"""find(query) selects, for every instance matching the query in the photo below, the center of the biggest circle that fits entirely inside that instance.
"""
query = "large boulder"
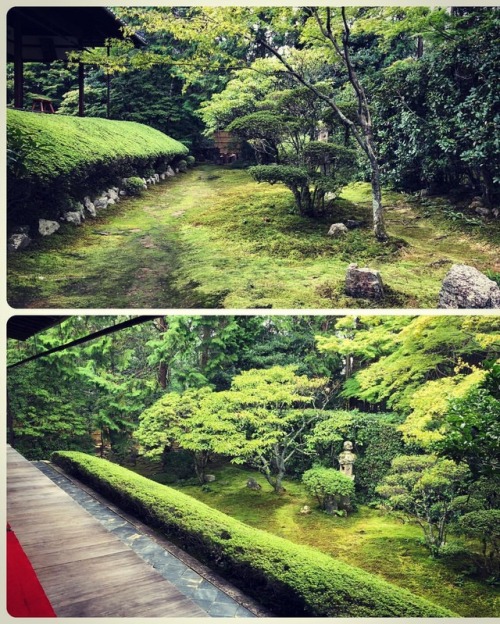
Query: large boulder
(363, 283)
(466, 287)
(337, 230)
(46, 227)
(18, 241)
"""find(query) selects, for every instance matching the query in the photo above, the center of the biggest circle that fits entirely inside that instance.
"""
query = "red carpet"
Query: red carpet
(25, 595)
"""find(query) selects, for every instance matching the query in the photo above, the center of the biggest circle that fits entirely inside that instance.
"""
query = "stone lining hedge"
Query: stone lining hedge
(291, 580)
(53, 160)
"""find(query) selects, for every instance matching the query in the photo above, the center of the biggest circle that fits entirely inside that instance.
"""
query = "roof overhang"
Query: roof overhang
(49, 33)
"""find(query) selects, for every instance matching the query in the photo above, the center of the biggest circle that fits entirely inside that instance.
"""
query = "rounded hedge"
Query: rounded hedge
(53, 160)
(292, 580)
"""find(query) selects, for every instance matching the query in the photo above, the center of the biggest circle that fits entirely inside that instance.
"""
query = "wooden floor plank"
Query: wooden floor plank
(85, 570)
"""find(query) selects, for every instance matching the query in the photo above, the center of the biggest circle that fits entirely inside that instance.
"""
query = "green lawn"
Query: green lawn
(215, 238)
(369, 539)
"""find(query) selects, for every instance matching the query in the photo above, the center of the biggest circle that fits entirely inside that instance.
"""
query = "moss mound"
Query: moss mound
(291, 580)
(54, 160)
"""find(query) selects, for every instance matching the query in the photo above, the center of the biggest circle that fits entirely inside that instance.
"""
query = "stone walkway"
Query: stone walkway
(212, 599)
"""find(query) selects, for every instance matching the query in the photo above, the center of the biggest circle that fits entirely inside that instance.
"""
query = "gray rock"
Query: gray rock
(170, 172)
(46, 227)
(163, 176)
(364, 283)
(466, 287)
(123, 193)
(483, 212)
(111, 202)
(101, 202)
(90, 209)
(337, 230)
(18, 241)
(73, 217)
(352, 224)
(209, 478)
(157, 177)
(112, 194)
(253, 485)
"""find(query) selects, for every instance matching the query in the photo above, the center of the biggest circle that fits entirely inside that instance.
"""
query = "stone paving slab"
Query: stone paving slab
(213, 600)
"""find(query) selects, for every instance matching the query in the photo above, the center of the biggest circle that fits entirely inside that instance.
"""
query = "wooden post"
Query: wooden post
(10, 423)
(18, 69)
(81, 81)
(108, 88)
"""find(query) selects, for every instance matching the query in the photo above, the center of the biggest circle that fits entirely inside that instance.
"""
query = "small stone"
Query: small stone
(476, 203)
(337, 230)
(163, 176)
(170, 172)
(18, 241)
(112, 194)
(73, 217)
(306, 510)
(111, 202)
(47, 227)
(209, 478)
(363, 283)
(482, 211)
(101, 202)
(253, 484)
(123, 193)
(466, 287)
(157, 177)
(90, 209)
(352, 224)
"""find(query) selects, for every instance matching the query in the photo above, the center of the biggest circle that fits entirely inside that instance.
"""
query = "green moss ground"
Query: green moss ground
(214, 238)
(369, 539)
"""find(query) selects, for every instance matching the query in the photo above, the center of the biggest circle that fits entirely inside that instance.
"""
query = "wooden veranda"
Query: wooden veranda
(85, 570)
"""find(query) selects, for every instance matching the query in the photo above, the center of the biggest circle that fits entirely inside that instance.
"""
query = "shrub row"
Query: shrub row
(55, 159)
(290, 579)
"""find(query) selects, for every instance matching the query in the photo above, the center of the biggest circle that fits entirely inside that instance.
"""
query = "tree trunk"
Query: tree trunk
(378, 211)
(307, 208)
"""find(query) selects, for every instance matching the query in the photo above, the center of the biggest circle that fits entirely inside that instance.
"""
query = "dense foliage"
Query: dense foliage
(290, 579)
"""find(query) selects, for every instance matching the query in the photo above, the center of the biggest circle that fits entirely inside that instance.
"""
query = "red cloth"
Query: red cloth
(25, 595)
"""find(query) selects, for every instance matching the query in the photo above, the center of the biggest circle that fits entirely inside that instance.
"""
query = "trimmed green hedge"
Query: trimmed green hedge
(54, 159)
(290, 579)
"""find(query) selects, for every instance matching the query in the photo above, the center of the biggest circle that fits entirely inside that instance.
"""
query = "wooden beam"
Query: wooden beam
(18, 69)
(81, 89)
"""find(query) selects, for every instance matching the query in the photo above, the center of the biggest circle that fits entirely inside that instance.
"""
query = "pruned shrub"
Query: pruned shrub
(133, 186)
(292, 580)
(190, 160)
(182, 166)
(332, 489)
